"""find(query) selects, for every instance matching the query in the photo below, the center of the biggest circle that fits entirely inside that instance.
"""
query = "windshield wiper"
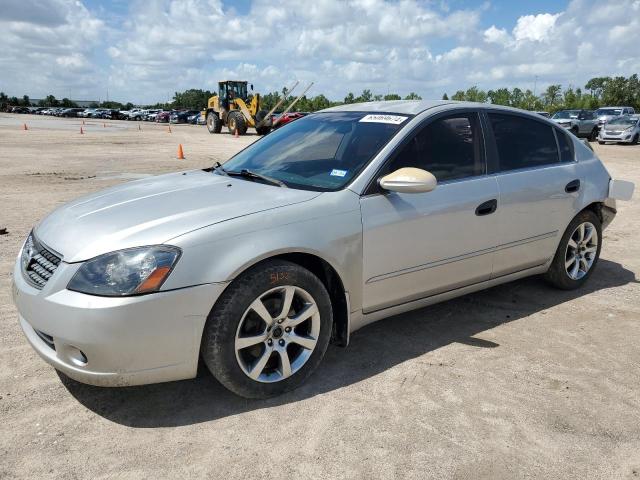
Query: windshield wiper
(255, 175)
(217, 167)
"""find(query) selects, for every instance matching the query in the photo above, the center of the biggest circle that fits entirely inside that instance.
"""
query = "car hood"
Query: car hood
(155, 210)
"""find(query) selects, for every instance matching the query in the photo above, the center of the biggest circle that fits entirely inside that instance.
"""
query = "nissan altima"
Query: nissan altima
(334, 221)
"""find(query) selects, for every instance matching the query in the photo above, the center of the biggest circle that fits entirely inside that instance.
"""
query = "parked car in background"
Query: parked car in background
(340, 219)
(582, 123)
(284, 118)
(163, 117)
(137, 115)
(112, 114)
(623, 129)
(197, 119)
(71, 112)
(150, 116)
(181, 116)
(604, 114)
(544, 114)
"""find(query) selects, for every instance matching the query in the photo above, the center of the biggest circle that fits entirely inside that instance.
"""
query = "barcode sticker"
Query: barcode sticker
(378, 118)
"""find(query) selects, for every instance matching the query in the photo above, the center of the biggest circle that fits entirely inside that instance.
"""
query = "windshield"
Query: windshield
(608, 111)
(323, 151)
(623, 121)
(566, 114)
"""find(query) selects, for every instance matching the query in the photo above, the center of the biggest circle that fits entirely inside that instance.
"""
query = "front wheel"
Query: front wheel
(577, 253)
(593, 135)
(268, 331)
(236, 123)
(214, 124)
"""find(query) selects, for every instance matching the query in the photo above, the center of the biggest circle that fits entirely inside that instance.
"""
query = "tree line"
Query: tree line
(597, 92)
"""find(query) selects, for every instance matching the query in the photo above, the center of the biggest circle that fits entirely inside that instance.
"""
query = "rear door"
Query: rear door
(539, 185)
(420, 244)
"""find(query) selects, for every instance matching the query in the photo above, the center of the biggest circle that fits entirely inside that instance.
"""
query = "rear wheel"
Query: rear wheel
(575, 131)
(268, 331)
(593, 135)
(578, 252)
(214, 124)
(236, 121)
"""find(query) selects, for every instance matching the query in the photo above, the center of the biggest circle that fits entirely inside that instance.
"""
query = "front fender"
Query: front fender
(328, 227)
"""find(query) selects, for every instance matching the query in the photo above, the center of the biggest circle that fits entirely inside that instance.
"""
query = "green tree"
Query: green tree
(445, 97)
(193, 98)
(459, 95)
(413, 96)
(349, 98)
(26, 102)
(501, 96)
(473, 94)
(392, 96)
(365, 96)
(65, 102)
(552, 95)
(51, 101)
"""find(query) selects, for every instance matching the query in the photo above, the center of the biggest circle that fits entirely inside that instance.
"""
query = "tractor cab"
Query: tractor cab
(230, 90)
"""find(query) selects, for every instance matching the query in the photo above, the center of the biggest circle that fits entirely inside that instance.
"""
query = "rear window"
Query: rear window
(566, 147)
(523, 142)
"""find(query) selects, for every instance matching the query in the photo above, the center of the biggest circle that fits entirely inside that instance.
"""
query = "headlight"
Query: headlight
(28, 251)
(126, 272)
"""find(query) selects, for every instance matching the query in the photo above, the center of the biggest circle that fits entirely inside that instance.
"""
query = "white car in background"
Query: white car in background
(605, 114)
(621, 130)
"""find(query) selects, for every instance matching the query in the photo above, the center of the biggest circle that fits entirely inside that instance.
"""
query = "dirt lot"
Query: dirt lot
(520, 381)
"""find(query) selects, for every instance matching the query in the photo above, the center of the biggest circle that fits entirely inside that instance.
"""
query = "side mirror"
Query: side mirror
(252, 86)
(409, 180)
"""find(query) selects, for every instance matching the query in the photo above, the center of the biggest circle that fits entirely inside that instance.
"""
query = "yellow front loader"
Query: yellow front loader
(233, 108)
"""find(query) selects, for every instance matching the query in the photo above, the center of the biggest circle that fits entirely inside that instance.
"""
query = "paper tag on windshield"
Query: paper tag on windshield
(377, 118)
(338, 173)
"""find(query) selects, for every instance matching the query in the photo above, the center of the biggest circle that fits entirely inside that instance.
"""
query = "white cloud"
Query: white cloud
(534, 27)
(343, 45)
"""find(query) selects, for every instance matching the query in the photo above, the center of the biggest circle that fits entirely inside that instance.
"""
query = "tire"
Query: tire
(575, 131)
(593, 135)
(635, 139)
(214, 124)
(235, 120)
(600, 142)
(233, 319)
(263, 130)
(587, 243)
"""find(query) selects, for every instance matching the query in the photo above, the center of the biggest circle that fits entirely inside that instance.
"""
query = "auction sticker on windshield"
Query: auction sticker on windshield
(393, 119)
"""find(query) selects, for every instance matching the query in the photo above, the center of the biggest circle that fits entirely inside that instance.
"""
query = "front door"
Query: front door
(421, 244)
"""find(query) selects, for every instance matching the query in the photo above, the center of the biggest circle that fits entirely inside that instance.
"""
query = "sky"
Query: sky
(145, 50)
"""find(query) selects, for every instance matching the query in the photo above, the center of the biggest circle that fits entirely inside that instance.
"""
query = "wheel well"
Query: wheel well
(595, 207)
(332, 282)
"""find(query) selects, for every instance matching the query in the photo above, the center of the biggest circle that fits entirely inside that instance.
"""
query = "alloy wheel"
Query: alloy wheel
(277, 334)
(581, 252)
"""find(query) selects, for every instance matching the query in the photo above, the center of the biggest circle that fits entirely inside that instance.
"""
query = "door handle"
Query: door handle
(572, 186)
(487, 208)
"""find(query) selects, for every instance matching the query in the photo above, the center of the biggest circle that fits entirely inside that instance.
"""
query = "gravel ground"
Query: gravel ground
(519, 381)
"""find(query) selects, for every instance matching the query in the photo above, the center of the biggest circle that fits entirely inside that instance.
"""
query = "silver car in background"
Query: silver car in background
(624, 129)
(604, 114)
(334, 221)
(582, 123)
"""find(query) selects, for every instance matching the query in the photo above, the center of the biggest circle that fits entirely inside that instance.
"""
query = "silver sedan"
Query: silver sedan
(332, 222)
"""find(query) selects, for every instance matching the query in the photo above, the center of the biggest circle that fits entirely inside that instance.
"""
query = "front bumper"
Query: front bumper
(114, 341)
(624, 137)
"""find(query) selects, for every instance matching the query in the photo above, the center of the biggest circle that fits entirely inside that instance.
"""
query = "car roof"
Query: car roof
(414, 107)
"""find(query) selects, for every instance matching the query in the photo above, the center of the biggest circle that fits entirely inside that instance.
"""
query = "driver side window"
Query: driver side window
(450, 148)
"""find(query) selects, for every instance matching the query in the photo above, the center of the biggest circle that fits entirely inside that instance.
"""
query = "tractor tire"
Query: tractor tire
(236, 121)
(264, 129)
(214, 124)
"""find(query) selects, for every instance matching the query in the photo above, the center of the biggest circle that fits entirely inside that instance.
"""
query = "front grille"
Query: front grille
(48, 339)
(41, 266)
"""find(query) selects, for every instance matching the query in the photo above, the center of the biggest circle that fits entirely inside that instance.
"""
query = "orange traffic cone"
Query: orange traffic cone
(236, 134)
(24, 126)
(180, 152)
(81, 131)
